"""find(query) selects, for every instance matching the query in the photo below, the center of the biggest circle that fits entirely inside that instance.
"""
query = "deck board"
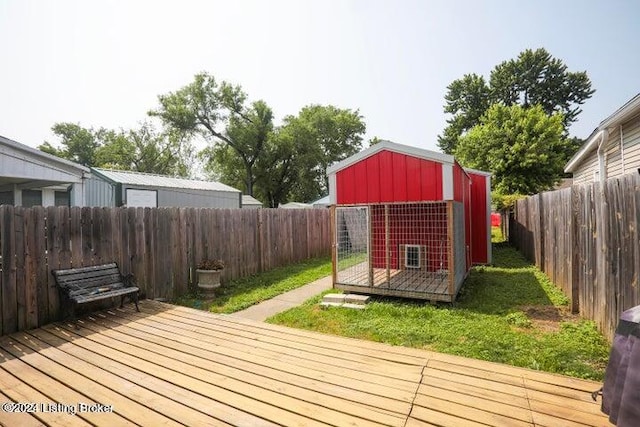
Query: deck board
(167, 365)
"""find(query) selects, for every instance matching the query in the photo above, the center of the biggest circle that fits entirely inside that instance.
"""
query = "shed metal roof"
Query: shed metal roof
(249, 200)
(163, 181)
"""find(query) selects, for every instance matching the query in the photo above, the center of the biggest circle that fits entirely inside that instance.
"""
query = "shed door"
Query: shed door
(353, 231)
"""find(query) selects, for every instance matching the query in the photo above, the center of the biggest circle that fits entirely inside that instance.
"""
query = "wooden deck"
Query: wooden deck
(176, 366)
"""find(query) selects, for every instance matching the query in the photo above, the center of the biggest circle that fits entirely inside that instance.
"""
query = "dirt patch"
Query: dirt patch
(547, 317)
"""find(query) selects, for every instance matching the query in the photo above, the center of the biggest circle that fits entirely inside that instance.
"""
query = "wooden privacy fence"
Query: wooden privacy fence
(586, 239)
(161, 247)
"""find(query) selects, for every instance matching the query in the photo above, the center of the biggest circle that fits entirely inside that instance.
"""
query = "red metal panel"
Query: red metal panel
(361, 182)
(430, 181)
(458, 178)
(481, 235)
(399, 173)
(389, 177)
(414, 183)
(438, 181)
(385, 161)
(468, 215)
(462, 193)
(373, 179)
(345, 184)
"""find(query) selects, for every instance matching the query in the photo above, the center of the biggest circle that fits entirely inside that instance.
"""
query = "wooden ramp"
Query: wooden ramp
(171, 365)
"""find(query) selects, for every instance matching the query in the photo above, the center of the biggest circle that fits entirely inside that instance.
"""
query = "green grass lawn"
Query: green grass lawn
(247, 291)
(508, 313)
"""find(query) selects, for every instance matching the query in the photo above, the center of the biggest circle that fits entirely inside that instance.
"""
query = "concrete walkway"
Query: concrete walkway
(282, 302)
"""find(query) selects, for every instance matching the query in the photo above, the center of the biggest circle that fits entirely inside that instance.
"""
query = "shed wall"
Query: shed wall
(587, 170)
(480, 219)
(99, 193)
(462, 193)
(631, 135)
(613, 157)
(196, 198)
(617, 162)
(389, 177)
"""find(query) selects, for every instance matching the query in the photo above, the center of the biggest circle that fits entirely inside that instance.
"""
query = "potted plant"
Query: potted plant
(209, 271)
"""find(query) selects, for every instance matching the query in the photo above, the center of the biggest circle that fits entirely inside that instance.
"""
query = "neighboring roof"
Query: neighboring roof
(247, 200)
(628, 110)
(295, 205)
(163, 181)
(322, 201)
(46, 156)
(396, 148)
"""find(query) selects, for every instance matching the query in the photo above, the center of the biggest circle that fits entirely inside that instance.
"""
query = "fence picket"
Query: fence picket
(595, 227)
(161, 247)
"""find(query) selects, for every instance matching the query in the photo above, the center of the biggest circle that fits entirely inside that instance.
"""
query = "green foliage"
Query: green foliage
(489, 322)
(145, 150)
(522, 147)
(141, 150)
(504, 201)
(319, 135)
(78, 144)
(237, 133)
(518, 319)
(534, 78)
(247, 152)
(467, 100)
(247, 291)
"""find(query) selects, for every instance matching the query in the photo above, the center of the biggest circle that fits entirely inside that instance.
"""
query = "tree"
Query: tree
(323, 135)
(247, 152)
(293, 158)
(522, 147)
(78, 144)
(534, 78)
(218, 112)
(141, 150)
(467, 100)
(373, 141)
(145, 150)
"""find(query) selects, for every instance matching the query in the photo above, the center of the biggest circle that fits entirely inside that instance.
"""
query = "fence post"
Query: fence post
(334, 254)
(574, 256)
(541, 213)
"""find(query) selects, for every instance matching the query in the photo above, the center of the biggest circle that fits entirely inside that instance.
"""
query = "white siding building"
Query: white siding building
(613, 149)
(30, 177)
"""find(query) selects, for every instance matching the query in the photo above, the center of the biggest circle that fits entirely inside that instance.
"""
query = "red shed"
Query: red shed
(403, 219)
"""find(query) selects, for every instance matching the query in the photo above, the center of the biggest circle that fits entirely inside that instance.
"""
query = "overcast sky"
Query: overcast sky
(103, 63)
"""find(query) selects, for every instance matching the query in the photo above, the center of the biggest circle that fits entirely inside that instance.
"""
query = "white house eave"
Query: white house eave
(628, 110)
(390, 146)
(46, 156)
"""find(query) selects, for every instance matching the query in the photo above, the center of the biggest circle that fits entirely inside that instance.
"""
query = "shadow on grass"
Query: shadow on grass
(494, 291)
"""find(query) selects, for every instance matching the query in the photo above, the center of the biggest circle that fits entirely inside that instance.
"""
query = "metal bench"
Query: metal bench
(87, 284)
